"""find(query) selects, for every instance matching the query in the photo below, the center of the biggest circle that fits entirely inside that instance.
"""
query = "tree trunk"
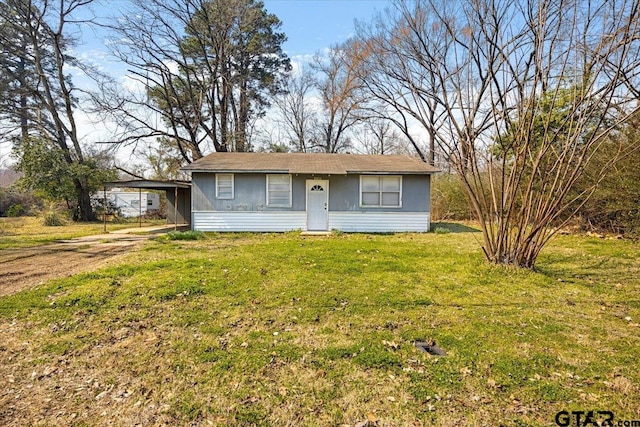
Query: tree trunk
(24, 112)
(243, 118)
(84, 210)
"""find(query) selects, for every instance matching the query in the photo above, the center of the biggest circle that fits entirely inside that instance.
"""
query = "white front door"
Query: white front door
(317, 205)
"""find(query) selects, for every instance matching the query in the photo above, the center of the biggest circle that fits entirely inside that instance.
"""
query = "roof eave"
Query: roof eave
(147, 184)
(213, 170)
(309, 172)
(377, 172)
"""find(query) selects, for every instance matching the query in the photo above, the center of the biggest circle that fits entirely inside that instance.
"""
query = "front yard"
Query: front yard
(283, 329)
(24, 232)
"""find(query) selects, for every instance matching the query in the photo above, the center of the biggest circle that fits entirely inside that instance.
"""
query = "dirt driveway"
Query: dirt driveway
(23, 268)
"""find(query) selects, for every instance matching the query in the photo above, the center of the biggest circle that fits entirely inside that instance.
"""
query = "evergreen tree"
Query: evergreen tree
(40, 98)
(208, 82)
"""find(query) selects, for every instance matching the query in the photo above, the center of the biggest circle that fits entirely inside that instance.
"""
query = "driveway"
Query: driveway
(23, 268)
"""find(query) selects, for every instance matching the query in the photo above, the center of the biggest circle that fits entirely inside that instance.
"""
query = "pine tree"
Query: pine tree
(39, 99)
(225, 61)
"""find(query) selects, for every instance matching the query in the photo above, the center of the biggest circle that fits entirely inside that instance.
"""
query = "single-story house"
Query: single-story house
(309, 192)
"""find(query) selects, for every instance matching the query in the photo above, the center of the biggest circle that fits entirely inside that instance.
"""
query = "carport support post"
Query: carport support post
(104, 208)
(175, 209)
(140, 205)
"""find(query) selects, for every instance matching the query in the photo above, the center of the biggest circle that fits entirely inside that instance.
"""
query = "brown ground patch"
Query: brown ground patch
(24, 268)
(88, 386)
(47, 389)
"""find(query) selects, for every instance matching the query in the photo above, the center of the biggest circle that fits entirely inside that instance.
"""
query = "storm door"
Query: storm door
(317, 205)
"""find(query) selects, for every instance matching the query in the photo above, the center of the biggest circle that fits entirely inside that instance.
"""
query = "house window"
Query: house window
(279, 190)
(224, 186)
(381, 191)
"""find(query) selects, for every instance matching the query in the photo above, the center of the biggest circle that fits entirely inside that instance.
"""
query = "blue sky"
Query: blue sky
(310, 25)
(313, 25)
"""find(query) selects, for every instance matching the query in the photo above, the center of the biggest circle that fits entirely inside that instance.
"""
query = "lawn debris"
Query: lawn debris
(391, 344)
(430, 347)
(371, 421)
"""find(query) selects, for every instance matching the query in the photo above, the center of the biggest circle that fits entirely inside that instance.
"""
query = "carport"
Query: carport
(178, 196)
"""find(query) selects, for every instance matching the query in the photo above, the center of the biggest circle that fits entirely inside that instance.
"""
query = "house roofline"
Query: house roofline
(309, 163)
(277, 171)
(148, 184)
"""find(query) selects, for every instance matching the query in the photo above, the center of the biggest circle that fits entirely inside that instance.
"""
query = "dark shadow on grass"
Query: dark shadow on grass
(452, 227)
(560, 268)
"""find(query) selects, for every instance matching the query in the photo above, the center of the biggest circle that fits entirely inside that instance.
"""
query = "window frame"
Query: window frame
(380, 192)
(218, 197)
(278, 205)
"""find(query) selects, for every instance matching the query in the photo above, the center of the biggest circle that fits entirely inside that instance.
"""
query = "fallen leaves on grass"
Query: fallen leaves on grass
(391, 344)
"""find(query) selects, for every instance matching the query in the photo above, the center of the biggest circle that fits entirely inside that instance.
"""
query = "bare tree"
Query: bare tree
(203, 67)
(341, 97)
(518, 95)
(296, 114)
(398, 90)
(379, 136)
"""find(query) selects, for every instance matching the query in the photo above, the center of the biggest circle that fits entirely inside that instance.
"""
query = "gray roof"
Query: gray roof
(310, 163)
(148, 184)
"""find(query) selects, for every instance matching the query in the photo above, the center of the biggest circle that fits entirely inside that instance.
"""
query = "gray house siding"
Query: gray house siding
(344, 194)
(250, 193)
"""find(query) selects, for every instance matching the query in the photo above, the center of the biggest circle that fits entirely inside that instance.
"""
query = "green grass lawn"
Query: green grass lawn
(282, 329)
(29, 231)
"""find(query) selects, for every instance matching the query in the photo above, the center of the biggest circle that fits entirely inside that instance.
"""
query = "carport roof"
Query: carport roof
(310, 163)
(148, 184)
